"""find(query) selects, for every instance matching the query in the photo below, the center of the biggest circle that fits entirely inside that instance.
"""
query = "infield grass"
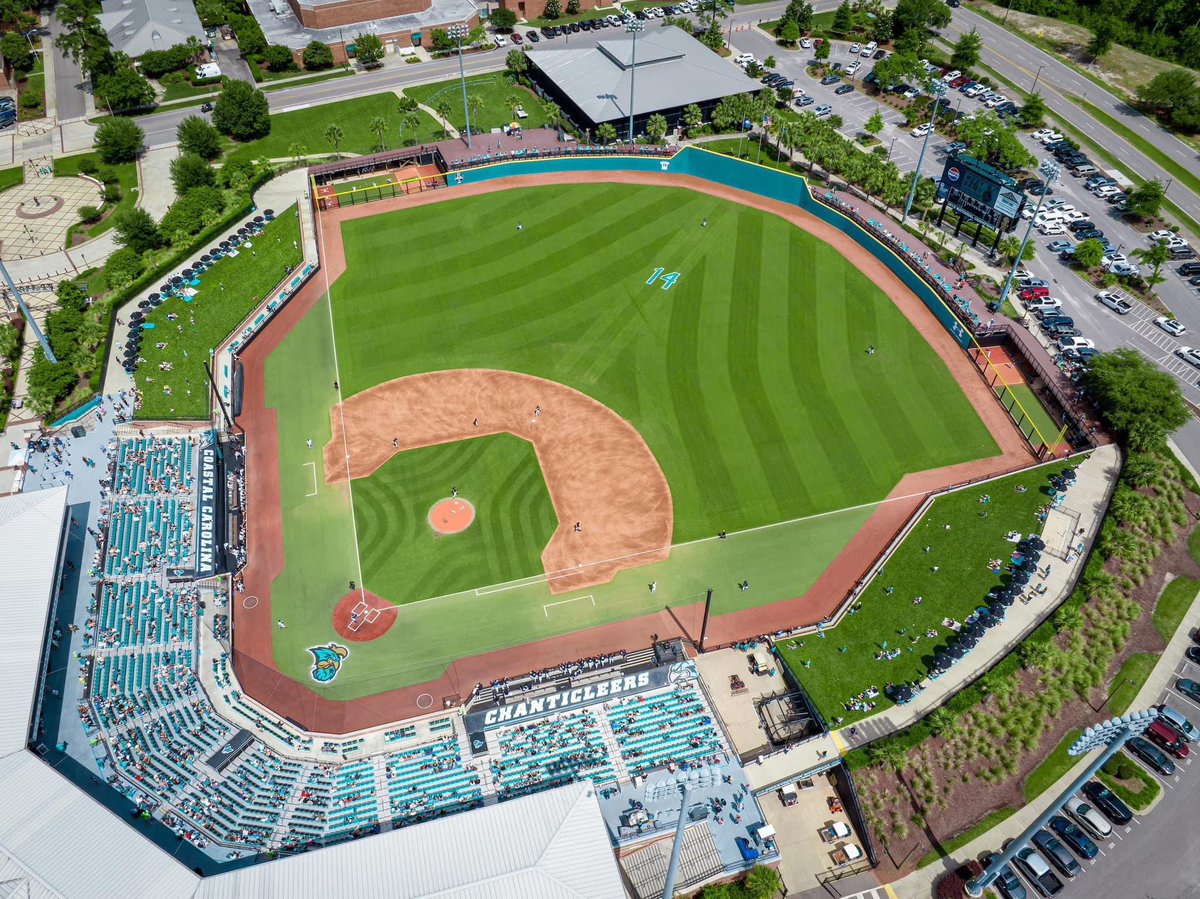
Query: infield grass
(748, 378)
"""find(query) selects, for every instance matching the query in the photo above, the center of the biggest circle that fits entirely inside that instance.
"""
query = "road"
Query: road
(69, 102)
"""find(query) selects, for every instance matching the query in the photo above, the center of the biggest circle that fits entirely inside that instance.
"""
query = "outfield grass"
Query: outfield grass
(306, 127)
(494, 90)
(1052, 767)
(1128, 681)
(401, 556)
(207, 320)
(748, 379)
(833, 676)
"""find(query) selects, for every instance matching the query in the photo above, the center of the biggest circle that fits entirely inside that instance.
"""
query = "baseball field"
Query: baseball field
(604, 377)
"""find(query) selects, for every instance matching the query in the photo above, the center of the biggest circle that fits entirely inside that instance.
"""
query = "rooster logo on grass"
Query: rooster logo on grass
(327, 661)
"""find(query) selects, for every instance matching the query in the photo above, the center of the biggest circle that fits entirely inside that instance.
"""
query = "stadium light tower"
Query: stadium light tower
(633, 26)
(1050, 171)
(14, 296)
(458, 32)
(938, 89)
(1108, 735)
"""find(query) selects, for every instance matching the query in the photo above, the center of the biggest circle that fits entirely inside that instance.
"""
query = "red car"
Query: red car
(516, 38)
(959, 81)
(1034, 293)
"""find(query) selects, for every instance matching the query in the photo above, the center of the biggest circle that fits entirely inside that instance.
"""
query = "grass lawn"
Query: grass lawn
(35, 83)
(247, 279)
(494, 90)
(185, 89)
(960, 584)
(1137, 793)
(403, 558)
(1177, 597)
(1054, 766)
(307, 79)
(748, 149)
(307, 128)
(12, 177)
(1036, 413)
(990, 820)
(1126, 682)
(126, 175)
(770, 415)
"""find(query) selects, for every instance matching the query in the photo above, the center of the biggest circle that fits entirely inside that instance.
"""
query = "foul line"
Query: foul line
(314, 474)
(546, 608)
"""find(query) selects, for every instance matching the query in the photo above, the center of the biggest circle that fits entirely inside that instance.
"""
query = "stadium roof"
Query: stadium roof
(673, 70)
(56, 841)
(31, 526)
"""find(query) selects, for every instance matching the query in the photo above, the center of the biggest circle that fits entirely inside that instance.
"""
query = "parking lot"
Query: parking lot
(1154, 854)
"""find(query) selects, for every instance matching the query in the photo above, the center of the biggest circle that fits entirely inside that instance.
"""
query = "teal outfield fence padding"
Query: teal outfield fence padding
(717, 168)
(76, 414)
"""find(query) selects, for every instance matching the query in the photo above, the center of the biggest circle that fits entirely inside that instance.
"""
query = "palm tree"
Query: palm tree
(443, 110)
(554, 116)
(380, 125)
(297, 151)
(606, 133)
(334, 134)
(514, 101)
(475, 106)
(411, 121)
(656, 127)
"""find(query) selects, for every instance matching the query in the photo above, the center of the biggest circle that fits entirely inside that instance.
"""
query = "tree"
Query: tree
(188, 171)
(606, 133)
(762, 882)
(84, 38)
(368, 50)
(475, 106)
(118, 140)
(317, 56)
(514, 102)
(553, 9)
(789, 34)
(297, 151)
(241, 112)
(822, 51)
(882, 27)
(995, 142)
(843, 19)
(407, 104)
(1033, 113)
(1156, 256)
(1172, 95)
(898, 68)
(713, 37)
(15, 50)
(753, 69)
(443, 111)
(410, 122)
(1140, 403)
(503, 19)
(1146, 199)
(334, 134)
(1011, 245)
(379, 127)
(874, 124)
(278, 58)
(123, 267)
(656, 128)
(192, 213)
(693, 117)
(1088, 253)
(123, 90)
(516, 62)
(913, 19)
(966, 51)
(441, 40)
(769, 62)
(572, 7)
(1104, 32)
(136, 230)
(198, 137)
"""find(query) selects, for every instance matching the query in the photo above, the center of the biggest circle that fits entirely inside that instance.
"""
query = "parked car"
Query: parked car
(1074, 343)
(1045, 306)
(1089, 234)
(1081, 225)
(1179, 723)
(822, 111)
(855, 49)
(831, 79)
(532, 36)
(1110, 806)
(1068, 831)
(1089, 818)
(1006, 881)
(1052, 229)
(1160, 234)
(516, 38)
(1189, 688)
(805, 101)
(1056, 853)
(1167, 739)
(1187, 354)
(853, 67)
(1034, 867)
(1124, 270)
(921, 130)
(1058, 246)
(1172, 326)
(1033, 293)
(1027, 283)
(880, 54)
(1114, 302)
(1190, 268)
(1184, 252)
(1154, 757)
(845, 89)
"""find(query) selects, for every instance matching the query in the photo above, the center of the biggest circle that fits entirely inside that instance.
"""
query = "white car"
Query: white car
(1054, 203)
(1187, 354)
(1091, 819)
(1172, 326)
(921, 130)
(1161, 234)
(1113, 259)
(993, 102)
(1124, 270)
(1176, 243)
(854, 49)
(1106, 191)
(853, 67)
(1073, 215)
(806, 43)
(1076, 343)
(911, 93)
(743, 58)
(950, 76)
(1046, 217)
(974, 91)
(1114, 302)
(1053, 229)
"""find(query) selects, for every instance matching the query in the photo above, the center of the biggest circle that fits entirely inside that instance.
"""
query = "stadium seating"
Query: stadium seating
(430, 780)
(551, 752)
(669, 727)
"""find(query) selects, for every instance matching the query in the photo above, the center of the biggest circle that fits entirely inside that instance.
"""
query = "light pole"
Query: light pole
(633, 26)
(1050, 171)
(458, 32)
(891, 148)
(938, 89)
(1110, 736)
(1036, 77)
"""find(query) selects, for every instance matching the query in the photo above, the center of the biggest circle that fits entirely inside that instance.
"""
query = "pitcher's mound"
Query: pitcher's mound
(451, 516)
(362, 616)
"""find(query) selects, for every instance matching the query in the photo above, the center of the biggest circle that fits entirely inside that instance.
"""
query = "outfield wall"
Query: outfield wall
(717, 168)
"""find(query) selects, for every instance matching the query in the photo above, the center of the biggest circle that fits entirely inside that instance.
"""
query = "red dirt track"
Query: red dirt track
(253, 628)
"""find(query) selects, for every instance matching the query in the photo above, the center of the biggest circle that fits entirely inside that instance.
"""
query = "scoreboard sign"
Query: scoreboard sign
(981, 193)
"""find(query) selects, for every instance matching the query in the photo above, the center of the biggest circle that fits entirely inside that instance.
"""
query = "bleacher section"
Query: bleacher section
(146, 703)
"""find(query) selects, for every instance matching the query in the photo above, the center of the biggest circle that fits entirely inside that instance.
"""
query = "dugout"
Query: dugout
(387, 174)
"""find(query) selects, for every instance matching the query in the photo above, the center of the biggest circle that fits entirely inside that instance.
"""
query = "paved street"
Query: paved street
(69, 100)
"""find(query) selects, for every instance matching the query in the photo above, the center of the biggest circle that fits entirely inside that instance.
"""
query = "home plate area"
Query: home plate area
(361, 616)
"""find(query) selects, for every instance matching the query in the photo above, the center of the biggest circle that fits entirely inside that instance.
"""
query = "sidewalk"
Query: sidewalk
(918, 885)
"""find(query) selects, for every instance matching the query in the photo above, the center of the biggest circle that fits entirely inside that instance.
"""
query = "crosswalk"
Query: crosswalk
(1141, 321)
(883, 892)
